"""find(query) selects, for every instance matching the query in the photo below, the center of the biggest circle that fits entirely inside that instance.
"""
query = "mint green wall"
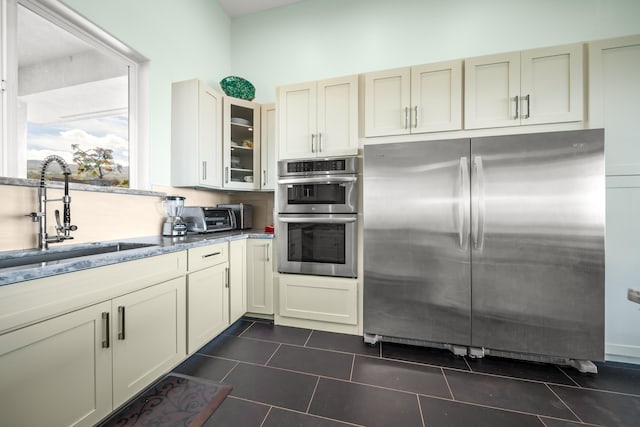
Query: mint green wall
(316, 39)
(182, 39)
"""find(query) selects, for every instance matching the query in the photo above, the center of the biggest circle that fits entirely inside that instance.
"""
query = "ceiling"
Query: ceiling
(235, 8)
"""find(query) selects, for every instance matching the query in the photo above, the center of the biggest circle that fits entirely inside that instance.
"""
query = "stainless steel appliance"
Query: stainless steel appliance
(208, 219)
(174, 225)
(318, 220)
(243, 214)
(487, 245)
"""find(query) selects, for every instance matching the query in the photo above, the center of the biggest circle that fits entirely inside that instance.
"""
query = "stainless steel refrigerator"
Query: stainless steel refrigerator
(490, 243)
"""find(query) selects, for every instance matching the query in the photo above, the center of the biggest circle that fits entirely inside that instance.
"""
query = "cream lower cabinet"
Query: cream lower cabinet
(57, 372)
(237, 279)
(419, 99)
(259, 276)
(207, 294)
(325, 299)
(148, 335)
(524, 88)
(75, 368)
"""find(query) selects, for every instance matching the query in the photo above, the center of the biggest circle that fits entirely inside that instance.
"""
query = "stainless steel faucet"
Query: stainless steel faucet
(63, 231)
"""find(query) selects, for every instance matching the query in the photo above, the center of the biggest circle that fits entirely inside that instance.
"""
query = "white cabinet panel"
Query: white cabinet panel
(60, 368)
(297, 111)
(207, 305)
(268, 141)
(614, 91)
(387, 99)
(237, 279)
(259, 276)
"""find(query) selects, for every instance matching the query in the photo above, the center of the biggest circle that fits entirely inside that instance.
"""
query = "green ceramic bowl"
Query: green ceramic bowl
(238, 88)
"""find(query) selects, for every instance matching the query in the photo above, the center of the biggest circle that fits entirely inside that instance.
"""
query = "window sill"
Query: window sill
(20, 182)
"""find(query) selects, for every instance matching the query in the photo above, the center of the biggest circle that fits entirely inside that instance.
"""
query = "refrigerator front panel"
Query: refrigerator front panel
(537, 243)
(416, 241)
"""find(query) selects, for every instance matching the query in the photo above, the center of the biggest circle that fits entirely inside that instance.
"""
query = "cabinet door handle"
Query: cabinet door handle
(415, 115)
(211, 254)
(528, 98)
(268, 246)
(517, 106)
(204, 170)
(226, 174)
(264, 178)
(319, 142)
(313, 141)
(226, 277)
(406, 117)
(121, 322)
(105, 329)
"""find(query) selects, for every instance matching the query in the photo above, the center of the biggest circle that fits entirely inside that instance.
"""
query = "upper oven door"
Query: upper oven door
(318, 194)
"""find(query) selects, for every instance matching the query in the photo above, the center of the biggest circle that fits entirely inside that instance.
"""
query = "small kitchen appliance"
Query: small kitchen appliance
(243, 214)
(201, 219)
(174, 226)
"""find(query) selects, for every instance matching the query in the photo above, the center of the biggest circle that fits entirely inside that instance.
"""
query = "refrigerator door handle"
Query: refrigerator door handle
(463, 204)
(477, 223)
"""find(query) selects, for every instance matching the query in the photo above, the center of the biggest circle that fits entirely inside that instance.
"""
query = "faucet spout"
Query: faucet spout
(63, 231)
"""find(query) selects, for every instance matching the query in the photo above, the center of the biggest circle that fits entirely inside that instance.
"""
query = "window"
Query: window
(72, 90)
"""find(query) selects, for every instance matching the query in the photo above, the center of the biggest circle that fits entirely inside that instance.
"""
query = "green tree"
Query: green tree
(96, 161)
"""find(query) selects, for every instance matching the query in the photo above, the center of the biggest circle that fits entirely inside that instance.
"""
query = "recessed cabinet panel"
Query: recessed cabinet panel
(260, 276)
(297, 110)
(436, 94)
(336, 117)
(208, 305)
(56, 372)
(268, 147)
(387, 98)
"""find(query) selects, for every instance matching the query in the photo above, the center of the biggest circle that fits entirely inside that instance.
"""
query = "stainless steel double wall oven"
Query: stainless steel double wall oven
(318, 216)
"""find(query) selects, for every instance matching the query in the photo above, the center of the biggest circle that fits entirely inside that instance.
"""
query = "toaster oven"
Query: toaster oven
(208, 219)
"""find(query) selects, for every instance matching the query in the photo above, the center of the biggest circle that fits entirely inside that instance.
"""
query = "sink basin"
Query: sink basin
(41, 258)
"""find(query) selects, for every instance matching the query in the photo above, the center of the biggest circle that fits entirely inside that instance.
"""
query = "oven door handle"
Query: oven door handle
(318, 179)
(299, 220)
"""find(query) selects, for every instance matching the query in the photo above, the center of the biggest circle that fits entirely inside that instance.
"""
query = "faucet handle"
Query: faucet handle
(35, 216)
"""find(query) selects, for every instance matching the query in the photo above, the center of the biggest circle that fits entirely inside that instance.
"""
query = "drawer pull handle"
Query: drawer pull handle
(105, 323)
(210, 255)
(121, 322)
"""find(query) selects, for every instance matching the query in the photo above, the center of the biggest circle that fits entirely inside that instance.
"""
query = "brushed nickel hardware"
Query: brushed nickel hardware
(106, 333)
(212, 254)
(121, 322)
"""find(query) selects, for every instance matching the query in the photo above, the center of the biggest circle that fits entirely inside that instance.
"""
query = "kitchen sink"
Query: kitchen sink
(41, 258)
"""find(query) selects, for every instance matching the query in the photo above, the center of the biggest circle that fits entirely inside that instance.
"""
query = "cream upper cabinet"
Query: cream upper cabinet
(525, 88)
(260, 276)
(614, 91)
(268, 162)
(196, 135)
(419, 99)
(318, 119)
(241, 135)
(237, 279)
(57, 372)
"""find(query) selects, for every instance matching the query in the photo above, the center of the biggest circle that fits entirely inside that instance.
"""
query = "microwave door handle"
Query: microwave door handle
(298, 220)
(318, 179)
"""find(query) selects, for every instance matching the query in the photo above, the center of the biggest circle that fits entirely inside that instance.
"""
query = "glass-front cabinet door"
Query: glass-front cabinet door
(241, 144)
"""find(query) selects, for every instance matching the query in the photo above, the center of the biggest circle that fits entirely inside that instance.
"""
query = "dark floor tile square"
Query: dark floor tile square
(236, 348)
(281, 334)
(400, 376)
(506, 393)
(238, 327)
(520, 369)
(281, 418)
(238, 412)
(205, 367)
(601, 407)
(427, 355)
(446, 413)
(272, 386)
(611, 377)
(313, 361)
(342, 342)
(552, 422)
(365, 405)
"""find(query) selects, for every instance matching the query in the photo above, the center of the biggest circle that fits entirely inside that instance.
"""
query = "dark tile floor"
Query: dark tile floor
(284, 376)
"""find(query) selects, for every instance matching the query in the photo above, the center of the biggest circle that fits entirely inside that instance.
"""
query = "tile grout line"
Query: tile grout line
(420, 410)
(353, 362)
(467, 363)
(272, 354)
(569, 376)
(230, 370)
(246, 329)
(448, 386)
(266, 416)
(541, 420)
(313, 395)
(308, 338)
(564, 403)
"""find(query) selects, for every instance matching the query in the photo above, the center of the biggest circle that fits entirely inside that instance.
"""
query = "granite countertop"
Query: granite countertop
(149, 246)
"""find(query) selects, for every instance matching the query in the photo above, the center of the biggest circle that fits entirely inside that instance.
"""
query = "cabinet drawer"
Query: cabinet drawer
(207, 256)
(319, 298)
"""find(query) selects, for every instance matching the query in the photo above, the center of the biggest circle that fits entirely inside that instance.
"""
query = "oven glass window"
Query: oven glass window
(326, 194)
(312, 242)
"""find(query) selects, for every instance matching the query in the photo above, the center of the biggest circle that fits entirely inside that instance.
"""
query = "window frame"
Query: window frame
(69, 20)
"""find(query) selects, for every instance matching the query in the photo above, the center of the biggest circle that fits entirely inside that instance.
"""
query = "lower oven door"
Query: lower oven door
(318, 244)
